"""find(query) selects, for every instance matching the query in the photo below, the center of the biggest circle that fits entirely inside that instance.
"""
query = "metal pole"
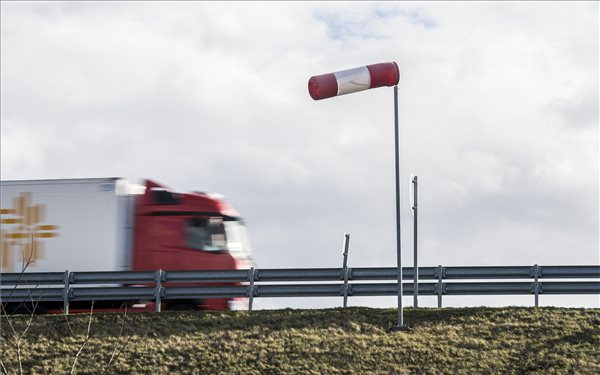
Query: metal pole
(401, 325)
(67, 281)
(439, 285)
(158, 275)
(536, 285)
(345, 267)
(416, 266)
(251, 288)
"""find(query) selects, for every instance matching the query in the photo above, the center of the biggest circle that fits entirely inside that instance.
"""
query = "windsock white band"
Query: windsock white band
(353, 80)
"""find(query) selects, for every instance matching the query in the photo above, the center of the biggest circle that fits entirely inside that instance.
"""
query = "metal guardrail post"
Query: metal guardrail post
(347, 286)
(536, 284)
(251, 288)
(439, 272)
(158, 290)
(66, 281)
(345, 267)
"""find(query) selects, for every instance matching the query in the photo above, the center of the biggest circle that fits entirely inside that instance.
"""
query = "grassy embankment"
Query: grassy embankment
(334, 341)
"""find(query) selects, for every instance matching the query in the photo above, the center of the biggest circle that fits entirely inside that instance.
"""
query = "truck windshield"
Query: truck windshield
(216, 234)
(237, 239)
(206, 234)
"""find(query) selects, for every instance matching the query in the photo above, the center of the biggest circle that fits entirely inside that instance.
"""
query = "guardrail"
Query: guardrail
(254, 283)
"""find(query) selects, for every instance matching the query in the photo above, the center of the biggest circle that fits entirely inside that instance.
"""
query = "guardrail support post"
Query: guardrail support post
(536, 284)
(439, 286)
(251, 289)
(158, 290)
(345, 267)
(66, 281)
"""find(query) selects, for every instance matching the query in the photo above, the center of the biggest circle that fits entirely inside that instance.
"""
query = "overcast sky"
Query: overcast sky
(498, 118)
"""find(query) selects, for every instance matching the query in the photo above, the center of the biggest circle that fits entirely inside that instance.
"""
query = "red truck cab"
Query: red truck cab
(191, 231)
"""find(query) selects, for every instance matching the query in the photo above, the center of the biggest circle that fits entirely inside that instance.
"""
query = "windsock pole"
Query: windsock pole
(358, 79)
(400, 325)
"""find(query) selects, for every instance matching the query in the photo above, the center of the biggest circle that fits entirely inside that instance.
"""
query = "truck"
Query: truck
(111, 224)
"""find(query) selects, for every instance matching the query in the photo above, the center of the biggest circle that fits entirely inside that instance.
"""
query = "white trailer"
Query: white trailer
(67, 224)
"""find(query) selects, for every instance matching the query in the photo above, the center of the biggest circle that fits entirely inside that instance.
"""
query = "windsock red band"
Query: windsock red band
(323, 86)
(353, 80)
(384, 74)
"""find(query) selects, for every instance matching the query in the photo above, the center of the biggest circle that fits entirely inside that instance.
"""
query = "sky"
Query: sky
(498, 117)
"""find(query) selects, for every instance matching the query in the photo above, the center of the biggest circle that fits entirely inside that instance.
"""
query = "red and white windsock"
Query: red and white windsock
(353, 80)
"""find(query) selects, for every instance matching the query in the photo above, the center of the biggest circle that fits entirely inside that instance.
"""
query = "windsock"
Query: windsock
(352, 80)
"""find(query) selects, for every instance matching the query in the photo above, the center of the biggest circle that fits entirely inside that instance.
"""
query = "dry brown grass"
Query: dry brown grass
(332, 341)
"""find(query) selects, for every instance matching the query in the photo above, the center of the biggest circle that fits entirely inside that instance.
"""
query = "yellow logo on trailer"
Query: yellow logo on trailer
(22, 232)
